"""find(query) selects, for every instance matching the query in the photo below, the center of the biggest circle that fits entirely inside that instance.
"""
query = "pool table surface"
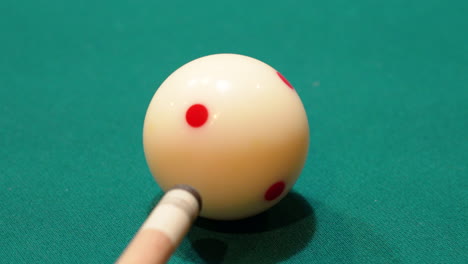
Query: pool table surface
(384, 84)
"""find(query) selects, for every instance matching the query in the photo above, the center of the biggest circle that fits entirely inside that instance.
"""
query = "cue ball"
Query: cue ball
(233, 128)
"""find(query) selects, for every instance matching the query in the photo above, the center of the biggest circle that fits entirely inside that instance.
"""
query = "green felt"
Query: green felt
(385, 85)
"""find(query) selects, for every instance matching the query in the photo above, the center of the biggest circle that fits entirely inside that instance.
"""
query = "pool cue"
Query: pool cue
(165, 227)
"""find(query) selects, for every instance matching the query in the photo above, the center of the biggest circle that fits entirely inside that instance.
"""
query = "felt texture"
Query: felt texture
(384, 84)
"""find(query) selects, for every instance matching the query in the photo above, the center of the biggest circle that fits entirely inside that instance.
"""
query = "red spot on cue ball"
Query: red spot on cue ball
(196, 115)
(285, 80)
(275, 191)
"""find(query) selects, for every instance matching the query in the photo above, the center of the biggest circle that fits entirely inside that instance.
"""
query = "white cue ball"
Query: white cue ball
(233, 128)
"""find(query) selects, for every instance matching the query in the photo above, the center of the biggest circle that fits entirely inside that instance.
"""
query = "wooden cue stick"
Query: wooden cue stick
(165, 227)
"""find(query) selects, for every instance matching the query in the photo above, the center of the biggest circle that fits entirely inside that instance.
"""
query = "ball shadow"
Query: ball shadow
(290, 210)
(270, 237)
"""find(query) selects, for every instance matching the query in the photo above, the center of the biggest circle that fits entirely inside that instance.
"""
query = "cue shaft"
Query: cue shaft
(164, 229)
